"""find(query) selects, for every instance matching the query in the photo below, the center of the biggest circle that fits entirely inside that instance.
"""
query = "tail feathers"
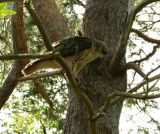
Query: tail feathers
(32, 67)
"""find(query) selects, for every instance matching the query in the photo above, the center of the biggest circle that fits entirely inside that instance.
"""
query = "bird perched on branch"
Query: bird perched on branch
(77, 51)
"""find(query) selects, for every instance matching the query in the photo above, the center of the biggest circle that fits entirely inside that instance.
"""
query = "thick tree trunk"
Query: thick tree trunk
(104, 20)
(52, 19)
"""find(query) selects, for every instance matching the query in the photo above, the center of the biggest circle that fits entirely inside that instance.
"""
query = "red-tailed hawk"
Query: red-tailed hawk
(77, 51)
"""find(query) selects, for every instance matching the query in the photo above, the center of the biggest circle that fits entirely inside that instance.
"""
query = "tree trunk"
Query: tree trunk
(104, 20)
(52, 19)
(19, 46)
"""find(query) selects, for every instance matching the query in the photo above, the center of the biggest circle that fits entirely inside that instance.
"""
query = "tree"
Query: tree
(95, 104)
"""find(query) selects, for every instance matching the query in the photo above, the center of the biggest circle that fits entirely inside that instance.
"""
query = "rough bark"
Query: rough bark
(19, 46)
(104, 20)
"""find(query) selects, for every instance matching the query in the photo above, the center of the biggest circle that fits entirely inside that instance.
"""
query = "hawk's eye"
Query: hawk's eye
(104, 52)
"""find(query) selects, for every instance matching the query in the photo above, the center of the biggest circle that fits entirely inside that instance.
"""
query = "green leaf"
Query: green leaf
(2, 5)
(6, 12)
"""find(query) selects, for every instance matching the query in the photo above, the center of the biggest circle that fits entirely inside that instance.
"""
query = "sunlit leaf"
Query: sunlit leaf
(2, 5)
(6, 12)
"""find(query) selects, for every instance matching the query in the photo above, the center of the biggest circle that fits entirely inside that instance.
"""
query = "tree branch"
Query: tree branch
(27, 56)
(123, 95)
(44, 128)
(145, 37)
(153, 70)
(134, 67)
(122, 44)
(40, 27)
(115, 101)
(110, 101)
(39, 88)
(40, 75)
(150, 89)
(19, 46)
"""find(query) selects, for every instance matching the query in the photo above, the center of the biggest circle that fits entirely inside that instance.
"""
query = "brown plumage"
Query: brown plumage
(77, 51)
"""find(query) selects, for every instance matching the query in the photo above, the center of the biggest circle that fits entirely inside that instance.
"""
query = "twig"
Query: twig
(145, 37)
(149, 55)
(134, 67)
(44, 128)
(39, 88)
(153, 70)
(124, 95)
(150, 87)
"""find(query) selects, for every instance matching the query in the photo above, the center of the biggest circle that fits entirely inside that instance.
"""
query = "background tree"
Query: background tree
(105, 79)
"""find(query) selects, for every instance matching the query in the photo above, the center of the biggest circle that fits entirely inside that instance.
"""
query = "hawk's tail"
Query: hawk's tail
(32, 67)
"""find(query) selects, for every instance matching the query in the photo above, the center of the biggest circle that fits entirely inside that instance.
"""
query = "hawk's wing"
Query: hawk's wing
(70, 46)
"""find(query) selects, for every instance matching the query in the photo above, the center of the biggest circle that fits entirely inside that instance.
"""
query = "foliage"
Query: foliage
(5, 12)
(73, 18)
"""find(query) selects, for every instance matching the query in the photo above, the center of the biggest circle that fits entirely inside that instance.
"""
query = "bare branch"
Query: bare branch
(27, 56)
(123, 95)
(40, 27)
(145, 37)
(122, 44)
(44, 95)
(134, 67)
(147, 56)
(115, 101)
(31, 56)
(40, 75)
(150, 89)
(153, 70)
(44, 128)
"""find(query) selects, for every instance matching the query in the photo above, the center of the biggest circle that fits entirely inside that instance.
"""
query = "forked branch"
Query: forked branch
(122, 44)
(134, 67)
(116, 100)
(123, 95)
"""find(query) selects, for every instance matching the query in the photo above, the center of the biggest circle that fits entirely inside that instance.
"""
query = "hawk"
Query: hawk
(77, 51)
